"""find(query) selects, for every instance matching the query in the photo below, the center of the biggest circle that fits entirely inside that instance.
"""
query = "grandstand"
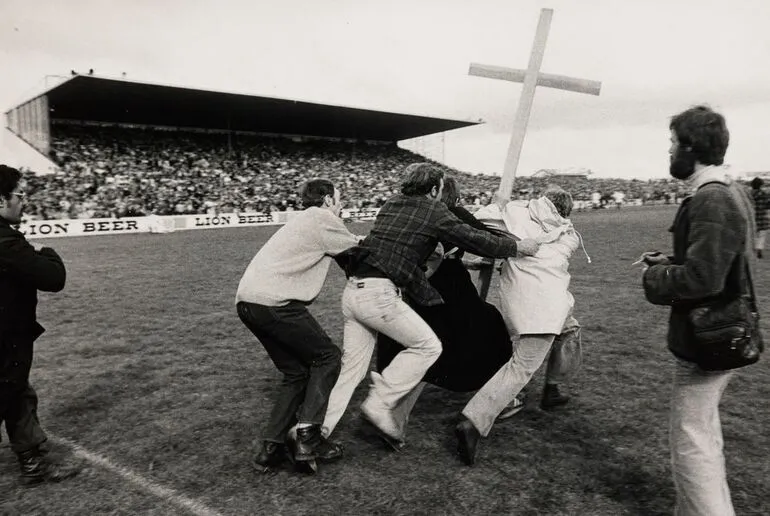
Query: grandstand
(125, 149)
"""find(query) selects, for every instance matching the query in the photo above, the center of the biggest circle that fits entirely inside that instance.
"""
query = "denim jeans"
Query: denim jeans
(306, 356)
(373, 305)
(18, 408)
(695, 437)
(489, 401)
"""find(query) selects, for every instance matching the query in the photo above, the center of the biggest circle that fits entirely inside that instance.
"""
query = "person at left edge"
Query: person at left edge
(285, 276)
(23, 271)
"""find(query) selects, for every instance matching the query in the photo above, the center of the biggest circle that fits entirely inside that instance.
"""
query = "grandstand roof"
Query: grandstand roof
(100, 99)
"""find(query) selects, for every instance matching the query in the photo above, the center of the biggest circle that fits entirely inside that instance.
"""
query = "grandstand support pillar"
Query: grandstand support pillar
(531, 77)
(229, 136)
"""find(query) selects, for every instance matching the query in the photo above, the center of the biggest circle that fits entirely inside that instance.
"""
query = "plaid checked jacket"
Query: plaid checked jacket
(406, 231)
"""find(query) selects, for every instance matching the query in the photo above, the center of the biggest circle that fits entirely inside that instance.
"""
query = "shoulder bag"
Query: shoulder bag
(727, 334)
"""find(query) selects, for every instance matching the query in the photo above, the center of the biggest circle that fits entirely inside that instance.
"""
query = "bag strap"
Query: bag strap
(751, 284)
(749, 235)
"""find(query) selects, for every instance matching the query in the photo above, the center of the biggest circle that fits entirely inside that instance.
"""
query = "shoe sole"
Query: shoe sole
(510, 413)
(370, 428)
(462, 448)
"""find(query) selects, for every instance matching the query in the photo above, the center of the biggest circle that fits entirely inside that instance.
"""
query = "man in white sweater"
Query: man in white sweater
(284, 277)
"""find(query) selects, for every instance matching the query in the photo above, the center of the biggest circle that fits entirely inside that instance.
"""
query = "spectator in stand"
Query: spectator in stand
(140, 171)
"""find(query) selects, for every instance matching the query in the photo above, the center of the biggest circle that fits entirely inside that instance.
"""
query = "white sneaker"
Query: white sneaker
(513, 408)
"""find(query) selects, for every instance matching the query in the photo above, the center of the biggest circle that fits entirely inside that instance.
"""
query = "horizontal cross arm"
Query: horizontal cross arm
(561, 82)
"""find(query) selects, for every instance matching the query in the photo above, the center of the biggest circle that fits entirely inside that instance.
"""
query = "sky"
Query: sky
(654, 58)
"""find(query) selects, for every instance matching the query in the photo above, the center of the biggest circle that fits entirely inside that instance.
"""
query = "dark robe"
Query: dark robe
(473, 334)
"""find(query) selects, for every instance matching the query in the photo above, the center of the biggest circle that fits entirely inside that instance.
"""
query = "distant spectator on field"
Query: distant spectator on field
(284, 277)
(596, 200)
(618, 197)
(713, 231)
(23, 271)
(761, 206)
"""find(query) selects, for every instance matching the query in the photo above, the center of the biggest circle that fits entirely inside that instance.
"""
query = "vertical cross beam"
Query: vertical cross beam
(525, 104)
(531, 77)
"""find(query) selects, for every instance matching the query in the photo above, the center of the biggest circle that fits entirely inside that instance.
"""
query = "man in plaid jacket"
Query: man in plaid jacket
(392, 263)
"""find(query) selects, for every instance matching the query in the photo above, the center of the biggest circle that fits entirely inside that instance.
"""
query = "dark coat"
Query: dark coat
(473, 334)
(23, 271)
(709, 233)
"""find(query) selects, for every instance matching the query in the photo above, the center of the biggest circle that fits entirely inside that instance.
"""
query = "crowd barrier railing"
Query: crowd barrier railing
(35, 229)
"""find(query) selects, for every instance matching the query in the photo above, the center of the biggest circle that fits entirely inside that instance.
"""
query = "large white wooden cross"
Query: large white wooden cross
(531, 77)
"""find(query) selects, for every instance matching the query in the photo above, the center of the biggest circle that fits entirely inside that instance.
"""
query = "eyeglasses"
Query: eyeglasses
(19, 195)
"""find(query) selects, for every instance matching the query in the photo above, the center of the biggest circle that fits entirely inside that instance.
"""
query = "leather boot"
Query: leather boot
(270, 455)
(36, 469)
(468, 438)
(552, 398)
(329, 451)
(303, 448)
(308, 439)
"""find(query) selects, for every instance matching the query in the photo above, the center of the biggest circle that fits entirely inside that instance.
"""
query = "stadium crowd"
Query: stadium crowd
(107, 171)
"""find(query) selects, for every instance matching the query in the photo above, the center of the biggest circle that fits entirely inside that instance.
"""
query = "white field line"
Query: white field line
(164, 493)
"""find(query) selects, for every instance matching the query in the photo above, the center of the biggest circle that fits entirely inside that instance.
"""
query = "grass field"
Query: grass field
(146, 364)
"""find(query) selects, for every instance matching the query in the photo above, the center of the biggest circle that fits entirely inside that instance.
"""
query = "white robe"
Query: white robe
(534, 290)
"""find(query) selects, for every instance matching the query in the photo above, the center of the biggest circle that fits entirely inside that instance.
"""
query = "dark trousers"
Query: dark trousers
(306, 356)
(18, 409)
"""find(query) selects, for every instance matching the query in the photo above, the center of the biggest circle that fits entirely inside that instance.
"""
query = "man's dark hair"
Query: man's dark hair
(757, 183)
(451, 193)
(9, 180)
(421, 178)
(314, 191)
(704, 132)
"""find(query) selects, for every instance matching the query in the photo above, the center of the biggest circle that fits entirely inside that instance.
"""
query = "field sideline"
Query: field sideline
(146, 364)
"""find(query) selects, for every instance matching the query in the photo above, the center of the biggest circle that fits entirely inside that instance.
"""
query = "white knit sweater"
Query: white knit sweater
(293, 264)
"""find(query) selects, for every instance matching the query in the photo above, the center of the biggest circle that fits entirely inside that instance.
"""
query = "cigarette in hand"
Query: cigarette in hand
(643, 258)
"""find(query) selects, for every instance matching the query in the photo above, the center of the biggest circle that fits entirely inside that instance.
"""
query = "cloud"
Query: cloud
(654, 58)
